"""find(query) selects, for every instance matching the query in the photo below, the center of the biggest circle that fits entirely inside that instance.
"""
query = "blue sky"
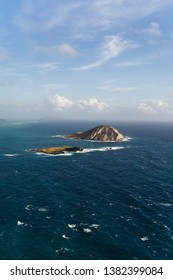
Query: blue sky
(95, 59)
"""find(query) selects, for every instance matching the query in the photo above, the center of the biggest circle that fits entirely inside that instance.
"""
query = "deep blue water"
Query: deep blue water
(101, 204)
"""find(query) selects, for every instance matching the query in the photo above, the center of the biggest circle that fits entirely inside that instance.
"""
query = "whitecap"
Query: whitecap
(62, 250)
(10, 155)
(107, 141)
(166, 227)
(27, 225)
(134, 208)
(72, 226)
(19, 223)
(145, 238)
(57, 136)
(52, 155)
(165, 204)
(94, 226)
(40, 154)
(65, 237)
(42, 209)
(29, 207)
(87, 230)
(102, 149)
(65, 154)
(85, 151)
(126, 139)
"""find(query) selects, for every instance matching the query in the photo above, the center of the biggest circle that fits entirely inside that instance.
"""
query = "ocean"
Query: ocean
(111, 201)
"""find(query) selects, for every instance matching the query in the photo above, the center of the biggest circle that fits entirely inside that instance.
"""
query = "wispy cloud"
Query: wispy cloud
(66, 49)
(140, 60)
(111, 86)
(84, 15)
(153, 31)
(38, 15)
(112, 47)
(132, 63)
(120, 89)
(47, 66)
(110, 12)
(63, 49)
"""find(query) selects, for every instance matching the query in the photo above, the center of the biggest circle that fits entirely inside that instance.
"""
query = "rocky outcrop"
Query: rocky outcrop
(56, 150)
(99, 133)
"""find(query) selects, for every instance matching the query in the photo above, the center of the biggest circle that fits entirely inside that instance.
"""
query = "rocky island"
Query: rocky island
(99, 133)
(56, 150)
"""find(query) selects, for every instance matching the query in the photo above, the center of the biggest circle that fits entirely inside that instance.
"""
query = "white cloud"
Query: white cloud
(111, 86)
(78, 15)
(92, 105)
(47, 66)
(111, 12)
(112, 47)
(63, 49)
(88, 66)
(155, 107)
(132, 63)
(60, 102)
(140, 60)
(122, 89)
(39, 16)
(146, 108)
(153, 30)
(67, 49)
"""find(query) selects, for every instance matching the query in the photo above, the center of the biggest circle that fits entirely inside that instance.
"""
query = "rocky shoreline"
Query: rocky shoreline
(98, 133)
(56, 150)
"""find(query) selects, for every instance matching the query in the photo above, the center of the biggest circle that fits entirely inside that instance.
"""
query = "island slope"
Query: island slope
(99, 133)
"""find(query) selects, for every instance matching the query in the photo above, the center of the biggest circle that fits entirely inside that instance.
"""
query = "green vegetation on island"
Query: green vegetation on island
(56, 150)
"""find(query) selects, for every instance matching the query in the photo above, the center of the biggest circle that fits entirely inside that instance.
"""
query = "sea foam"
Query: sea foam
(10, 155)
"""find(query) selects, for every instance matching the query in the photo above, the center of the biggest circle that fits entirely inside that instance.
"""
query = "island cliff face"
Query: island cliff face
(99, 133)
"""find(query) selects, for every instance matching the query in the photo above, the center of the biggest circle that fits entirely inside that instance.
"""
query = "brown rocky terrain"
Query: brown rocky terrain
(56, 150)
(99, 133)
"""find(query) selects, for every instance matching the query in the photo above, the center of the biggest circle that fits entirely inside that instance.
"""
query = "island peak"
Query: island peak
(98, 133)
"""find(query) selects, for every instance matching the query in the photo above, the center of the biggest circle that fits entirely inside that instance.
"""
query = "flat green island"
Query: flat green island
(56, 150)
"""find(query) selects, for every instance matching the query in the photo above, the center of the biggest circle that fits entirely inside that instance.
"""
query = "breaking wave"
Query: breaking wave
(85, 151)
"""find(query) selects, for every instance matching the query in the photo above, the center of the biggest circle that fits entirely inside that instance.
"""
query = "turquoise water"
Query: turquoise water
(99, 204)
